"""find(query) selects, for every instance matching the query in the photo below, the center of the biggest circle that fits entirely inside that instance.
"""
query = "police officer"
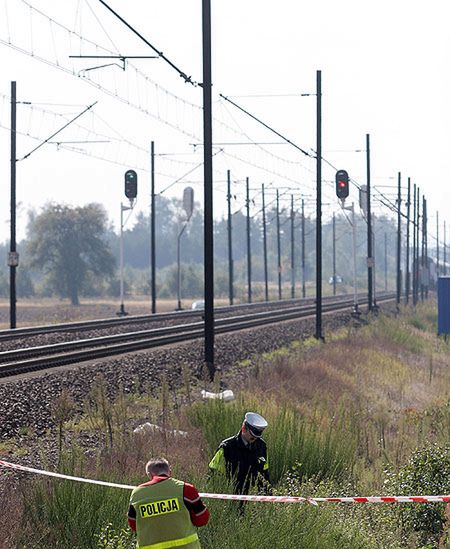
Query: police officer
(164, 512)
(243, 457)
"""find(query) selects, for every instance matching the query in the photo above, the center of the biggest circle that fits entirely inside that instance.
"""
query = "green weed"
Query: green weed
(12, 448)
(292, 440)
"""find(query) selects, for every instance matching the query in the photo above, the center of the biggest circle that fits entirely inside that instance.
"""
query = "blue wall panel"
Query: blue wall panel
(444, 305)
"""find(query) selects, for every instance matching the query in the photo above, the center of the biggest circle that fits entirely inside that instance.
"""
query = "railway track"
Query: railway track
(49, 356)
(100, 324)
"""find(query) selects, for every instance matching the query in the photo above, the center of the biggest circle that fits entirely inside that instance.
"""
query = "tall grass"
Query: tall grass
(272, 526)
(340, 415)
(60, 514)
(292, 440)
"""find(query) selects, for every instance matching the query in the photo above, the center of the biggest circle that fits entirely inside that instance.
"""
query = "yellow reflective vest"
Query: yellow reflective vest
(162, 519)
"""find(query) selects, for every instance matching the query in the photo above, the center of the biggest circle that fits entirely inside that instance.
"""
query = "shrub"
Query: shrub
(426, 473)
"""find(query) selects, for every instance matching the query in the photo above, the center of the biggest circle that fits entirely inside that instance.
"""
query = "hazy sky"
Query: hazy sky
(385, 71)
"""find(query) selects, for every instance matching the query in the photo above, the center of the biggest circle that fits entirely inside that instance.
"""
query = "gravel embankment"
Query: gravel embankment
(28, 402)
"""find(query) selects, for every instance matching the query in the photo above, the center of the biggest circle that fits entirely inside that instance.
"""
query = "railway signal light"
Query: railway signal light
(188, 201)
(342, 185)
(131, 184)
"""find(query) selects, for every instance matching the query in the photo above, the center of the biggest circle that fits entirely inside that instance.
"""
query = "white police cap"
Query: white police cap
(255, 423)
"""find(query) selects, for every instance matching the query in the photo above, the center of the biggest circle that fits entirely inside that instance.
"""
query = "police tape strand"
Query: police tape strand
(236, 497)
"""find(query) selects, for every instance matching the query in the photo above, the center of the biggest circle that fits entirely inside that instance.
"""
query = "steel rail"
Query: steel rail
(125, 343)
(53, 348)
(99, 324)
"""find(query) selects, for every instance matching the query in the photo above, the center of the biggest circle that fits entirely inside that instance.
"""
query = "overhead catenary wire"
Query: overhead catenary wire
(91, 133)
(236, 157)
(101, 26)
(185, 175)
(57, 64)
(182, 74)
(116, 94)
(81, 38)
(90, 154)
(264, 124)
(187, 79)
(58, 131)
(294, 162)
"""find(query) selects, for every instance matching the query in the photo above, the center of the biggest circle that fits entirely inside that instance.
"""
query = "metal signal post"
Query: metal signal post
(230, 240)
(278, 247)
(415, 258)
(334, 254)
(385, 263)
(318, 333)
(303, 251)
(208, 189)
(399, 239)
(408, 213)
(266, 280)
(12, 261)
(417, 230)
(427, 266)
(342, 192)
(370, 263)
(131, 183)
(153, 225)
(123, 208)
(355, 290)
(292, 249)
(422, 261)
(249, 245)
(356, 312)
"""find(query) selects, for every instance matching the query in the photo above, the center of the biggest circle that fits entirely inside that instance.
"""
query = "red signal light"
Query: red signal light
(342, 184)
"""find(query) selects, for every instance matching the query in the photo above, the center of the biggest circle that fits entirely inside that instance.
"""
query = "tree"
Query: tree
(68, 243)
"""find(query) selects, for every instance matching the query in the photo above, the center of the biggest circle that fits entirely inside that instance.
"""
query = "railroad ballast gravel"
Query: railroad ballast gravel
(28, 402)
(121, 328)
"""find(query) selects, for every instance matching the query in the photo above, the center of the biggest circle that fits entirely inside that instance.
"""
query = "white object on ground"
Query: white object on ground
(226, 395)
(146, 428)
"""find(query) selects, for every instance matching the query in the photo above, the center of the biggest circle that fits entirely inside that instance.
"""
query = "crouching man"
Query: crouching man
(164, 512)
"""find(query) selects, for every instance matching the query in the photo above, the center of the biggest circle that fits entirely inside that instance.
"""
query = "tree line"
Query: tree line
(74, 251)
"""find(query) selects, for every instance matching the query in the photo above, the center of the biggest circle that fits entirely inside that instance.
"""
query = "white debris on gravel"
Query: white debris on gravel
(148, 428)
(226, 395)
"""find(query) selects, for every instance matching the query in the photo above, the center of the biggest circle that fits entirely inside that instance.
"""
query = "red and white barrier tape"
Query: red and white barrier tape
(235, 497)
(315, 501)
(59, 475)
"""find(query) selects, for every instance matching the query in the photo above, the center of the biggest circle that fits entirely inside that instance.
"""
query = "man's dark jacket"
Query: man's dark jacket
(242, 462)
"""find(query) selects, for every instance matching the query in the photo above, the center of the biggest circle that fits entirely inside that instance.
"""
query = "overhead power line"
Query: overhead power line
(154, 101)
(88, 133)
(264, 124)
(158, 89)
(58, 131)
(183, 75)
(185, 175)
